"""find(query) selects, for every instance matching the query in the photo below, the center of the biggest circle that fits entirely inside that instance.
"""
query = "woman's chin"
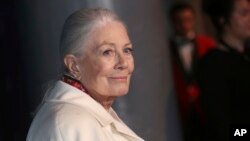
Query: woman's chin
(121, 92)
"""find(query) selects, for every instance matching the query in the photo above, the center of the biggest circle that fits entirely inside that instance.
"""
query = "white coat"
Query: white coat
(69, 114)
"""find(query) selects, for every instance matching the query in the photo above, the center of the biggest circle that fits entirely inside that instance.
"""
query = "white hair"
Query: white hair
(75, 33)
(77, 27)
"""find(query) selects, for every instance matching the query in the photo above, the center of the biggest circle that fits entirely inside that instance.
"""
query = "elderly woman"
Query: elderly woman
(98, 62)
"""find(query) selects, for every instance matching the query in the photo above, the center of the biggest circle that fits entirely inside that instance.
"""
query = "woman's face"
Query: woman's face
(108, 61)
(240, 20)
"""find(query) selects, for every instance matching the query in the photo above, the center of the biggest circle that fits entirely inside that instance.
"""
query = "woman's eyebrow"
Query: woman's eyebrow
(106, 43)
(128, 44)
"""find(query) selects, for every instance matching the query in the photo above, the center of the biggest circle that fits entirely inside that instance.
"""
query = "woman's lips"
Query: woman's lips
(119, 78)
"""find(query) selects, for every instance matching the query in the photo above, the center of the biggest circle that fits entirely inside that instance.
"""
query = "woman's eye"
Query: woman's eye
(108, 52)
(128, 50)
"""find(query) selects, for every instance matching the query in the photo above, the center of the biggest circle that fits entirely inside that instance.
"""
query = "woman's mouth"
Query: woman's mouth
(119, 78)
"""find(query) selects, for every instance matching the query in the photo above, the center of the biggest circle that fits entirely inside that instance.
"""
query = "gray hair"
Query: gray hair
(77, 28)
(75, 33)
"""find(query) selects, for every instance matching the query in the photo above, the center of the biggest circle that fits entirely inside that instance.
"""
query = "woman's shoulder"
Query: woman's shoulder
(73, 114)
(208, 59)
(214, 63)
(214, 53)
(75, 122)
(215, 57)
(221, 59)
(63, 121)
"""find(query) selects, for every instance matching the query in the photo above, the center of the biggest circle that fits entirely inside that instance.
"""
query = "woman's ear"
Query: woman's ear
(70, 62)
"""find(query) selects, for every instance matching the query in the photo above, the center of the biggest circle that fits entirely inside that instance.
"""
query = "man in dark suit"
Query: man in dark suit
(187, 48)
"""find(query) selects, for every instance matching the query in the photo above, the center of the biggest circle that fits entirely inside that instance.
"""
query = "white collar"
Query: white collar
(65, 93)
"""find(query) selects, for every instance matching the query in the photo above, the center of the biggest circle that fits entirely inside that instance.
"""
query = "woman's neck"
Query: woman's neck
(106, 102)
(233, 42)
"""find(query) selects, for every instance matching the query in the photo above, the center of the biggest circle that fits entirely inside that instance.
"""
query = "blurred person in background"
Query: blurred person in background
(187, 48)
(98, 62)
(224, 73)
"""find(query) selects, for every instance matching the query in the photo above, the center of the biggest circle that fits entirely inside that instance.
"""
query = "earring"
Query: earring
(78, 77)
(77, 67)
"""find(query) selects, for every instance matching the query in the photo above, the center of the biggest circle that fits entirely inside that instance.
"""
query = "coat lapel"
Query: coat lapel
(64, 93)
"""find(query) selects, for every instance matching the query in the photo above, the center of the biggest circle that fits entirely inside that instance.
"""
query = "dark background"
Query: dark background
(14, 107)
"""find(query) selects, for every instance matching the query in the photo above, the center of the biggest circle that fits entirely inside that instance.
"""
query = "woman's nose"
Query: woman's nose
(121, 62)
